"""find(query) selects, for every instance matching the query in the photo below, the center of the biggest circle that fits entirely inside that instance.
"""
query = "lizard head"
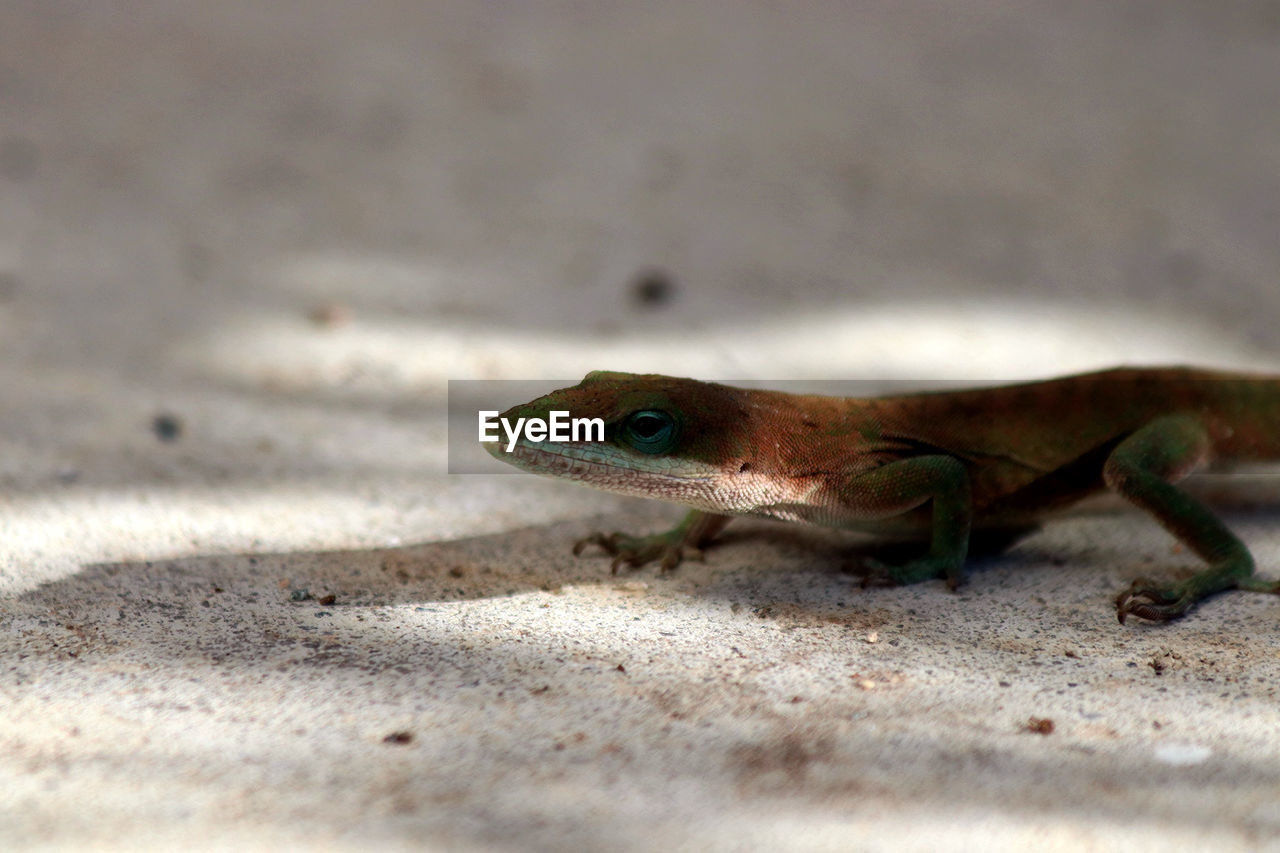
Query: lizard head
(649, 435)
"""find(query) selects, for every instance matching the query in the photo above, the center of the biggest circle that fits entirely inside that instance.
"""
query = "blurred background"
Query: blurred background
(244, 245)
(492, 190)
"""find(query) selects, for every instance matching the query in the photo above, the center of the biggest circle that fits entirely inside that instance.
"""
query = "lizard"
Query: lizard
(938, 465)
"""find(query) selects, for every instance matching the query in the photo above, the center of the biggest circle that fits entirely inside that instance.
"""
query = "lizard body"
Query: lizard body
(940, 464)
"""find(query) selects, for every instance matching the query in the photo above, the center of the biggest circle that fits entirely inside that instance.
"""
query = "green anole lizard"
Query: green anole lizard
(941, 464)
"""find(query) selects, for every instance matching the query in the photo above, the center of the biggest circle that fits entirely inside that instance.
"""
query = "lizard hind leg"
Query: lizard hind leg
(1141, 469)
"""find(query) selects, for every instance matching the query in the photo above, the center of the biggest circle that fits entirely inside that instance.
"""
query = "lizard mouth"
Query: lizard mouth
(604, 467)
(563, 460)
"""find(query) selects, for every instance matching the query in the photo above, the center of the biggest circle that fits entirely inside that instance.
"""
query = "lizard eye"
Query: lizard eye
(650, 431)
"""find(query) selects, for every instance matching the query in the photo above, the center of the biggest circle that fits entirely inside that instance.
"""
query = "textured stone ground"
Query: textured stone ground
(243, 247)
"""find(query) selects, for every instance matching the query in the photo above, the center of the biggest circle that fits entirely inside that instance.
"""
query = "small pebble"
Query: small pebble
(167, 427)
(1183, 754)
(330, 315)
(653, 288)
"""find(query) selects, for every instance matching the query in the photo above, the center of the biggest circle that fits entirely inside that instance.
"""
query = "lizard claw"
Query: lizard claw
(607, 542)
(635, 551)
(1147, 601)
(595, 538)
(876, 574)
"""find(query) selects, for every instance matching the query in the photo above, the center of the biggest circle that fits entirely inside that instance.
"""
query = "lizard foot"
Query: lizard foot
(1146, 600)
(635, 551)
(923, 569)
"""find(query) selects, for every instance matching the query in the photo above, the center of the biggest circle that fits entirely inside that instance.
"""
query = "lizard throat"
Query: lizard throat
(698, 485)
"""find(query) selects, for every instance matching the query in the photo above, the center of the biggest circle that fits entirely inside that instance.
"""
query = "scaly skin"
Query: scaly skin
(942, 464)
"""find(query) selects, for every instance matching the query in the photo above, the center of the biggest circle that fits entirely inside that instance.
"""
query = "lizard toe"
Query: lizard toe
(875, 574)
(1153, 603)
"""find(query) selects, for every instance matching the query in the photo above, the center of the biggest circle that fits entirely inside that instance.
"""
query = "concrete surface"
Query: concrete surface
(244, 245)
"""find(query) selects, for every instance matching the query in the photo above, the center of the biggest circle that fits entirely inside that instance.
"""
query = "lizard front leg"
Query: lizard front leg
(1141, 469)
(686, 539)
(900, 486)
